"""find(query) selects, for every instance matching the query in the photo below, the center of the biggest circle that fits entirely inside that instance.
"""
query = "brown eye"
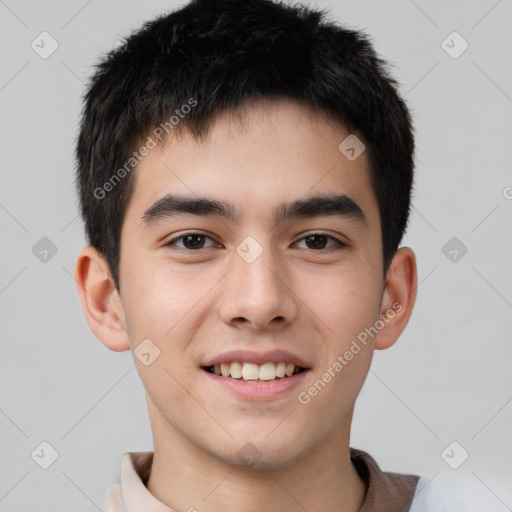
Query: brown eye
(319, 241)
(191, 241)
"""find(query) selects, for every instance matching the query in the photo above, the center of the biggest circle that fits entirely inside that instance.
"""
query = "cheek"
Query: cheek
(161, 302)
(345, 302)
(349, 307)
(161, 306)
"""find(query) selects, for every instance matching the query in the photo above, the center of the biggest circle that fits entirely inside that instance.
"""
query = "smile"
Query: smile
(255, 372)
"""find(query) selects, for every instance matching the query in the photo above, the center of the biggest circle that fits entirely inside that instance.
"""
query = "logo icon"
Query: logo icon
(249, 249)
(44, 45)
(44, 455)
(454, 455)
(249, 454)
(454, 249)
(44, 250)
(352, 147)
(454, 45)
(146, 352)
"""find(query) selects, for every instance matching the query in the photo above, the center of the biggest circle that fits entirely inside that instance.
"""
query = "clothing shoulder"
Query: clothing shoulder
(453, 494)
(114, 500)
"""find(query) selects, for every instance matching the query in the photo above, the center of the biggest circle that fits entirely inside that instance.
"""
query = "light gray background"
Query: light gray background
(447, 379)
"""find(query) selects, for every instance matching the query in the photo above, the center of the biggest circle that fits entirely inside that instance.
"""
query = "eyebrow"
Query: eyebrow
(170, 206)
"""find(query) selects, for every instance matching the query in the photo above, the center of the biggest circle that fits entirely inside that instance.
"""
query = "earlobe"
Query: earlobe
(100, 300)
(398, 298)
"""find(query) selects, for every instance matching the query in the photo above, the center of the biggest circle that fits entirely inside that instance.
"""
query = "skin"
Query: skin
(195, 305)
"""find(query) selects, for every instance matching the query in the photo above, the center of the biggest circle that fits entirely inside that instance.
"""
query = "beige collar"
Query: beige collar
(387, 492)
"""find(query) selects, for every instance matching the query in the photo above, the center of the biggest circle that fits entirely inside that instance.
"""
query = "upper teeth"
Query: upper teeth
(250, 371)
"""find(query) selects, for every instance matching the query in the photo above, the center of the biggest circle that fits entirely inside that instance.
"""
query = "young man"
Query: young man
(245, 173)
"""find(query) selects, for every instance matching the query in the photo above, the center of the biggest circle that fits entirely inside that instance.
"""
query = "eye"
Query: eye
(191, 241)
(319, 241)
(196, 241)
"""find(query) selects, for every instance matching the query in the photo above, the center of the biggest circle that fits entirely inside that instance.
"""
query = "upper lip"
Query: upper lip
(245, 356)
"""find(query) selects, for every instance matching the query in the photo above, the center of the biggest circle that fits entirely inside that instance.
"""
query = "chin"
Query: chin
(260, 452)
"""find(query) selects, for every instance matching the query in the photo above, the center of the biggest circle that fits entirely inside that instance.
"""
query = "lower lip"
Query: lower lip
(252, 390)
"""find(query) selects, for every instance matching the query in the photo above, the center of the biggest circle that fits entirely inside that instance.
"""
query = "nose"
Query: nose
(259, 294)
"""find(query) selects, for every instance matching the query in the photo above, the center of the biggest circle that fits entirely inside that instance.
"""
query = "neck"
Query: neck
(187, 478)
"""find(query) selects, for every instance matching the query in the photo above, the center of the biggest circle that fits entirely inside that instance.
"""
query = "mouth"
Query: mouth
(256, 373)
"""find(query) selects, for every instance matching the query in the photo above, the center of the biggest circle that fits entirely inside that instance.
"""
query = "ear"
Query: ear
(100, 300)
(398, 297)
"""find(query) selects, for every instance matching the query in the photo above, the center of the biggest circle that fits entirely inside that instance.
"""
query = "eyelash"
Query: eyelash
(339, 243)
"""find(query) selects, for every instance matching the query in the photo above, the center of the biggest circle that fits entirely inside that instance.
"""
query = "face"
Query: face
(249, 281)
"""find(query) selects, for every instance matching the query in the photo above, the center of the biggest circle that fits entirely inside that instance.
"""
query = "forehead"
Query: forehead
(257, 159)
